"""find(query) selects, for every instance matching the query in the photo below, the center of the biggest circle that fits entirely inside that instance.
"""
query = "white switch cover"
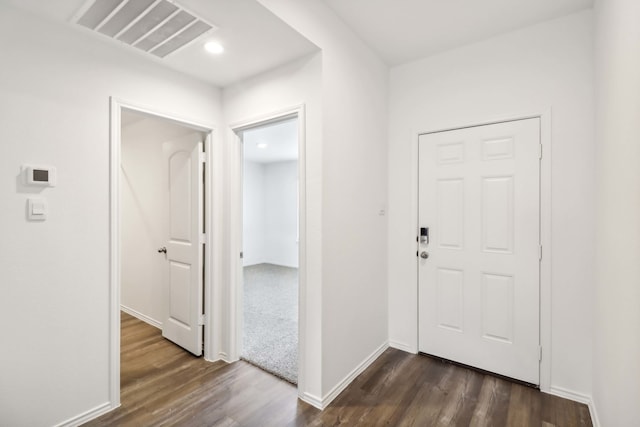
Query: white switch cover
(37, 209)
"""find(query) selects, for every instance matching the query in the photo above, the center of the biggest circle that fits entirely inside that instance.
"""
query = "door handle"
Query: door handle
(424, 254)
(162, 250)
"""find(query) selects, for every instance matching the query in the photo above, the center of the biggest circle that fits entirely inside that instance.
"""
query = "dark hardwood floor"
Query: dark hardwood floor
(163, 385)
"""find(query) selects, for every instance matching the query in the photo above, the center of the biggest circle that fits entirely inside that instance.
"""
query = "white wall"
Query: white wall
(617, 313)
(281, 213)
(253, 205)
(285, 87)
(144, 215)
(55, 84)
(547, 66)
(270, 213)
(354, 123)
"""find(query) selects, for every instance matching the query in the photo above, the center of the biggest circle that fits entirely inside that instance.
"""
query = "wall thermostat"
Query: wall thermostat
(44, 176)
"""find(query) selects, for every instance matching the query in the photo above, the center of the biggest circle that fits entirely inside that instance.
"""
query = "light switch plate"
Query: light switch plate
(37, 209)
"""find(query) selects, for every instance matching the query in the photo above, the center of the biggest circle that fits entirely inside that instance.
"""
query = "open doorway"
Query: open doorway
(159, 227)
(271, 239)
(161, 256)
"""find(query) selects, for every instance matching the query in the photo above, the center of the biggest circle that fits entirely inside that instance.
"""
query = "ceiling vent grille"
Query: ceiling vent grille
(159, 27)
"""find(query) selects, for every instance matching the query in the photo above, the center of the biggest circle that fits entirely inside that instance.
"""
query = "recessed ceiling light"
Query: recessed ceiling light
(261, 145)
(214, 47)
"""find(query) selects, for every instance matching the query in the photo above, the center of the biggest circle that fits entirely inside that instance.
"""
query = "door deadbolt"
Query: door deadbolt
(424, 235)
(424, 254)
(162, 250)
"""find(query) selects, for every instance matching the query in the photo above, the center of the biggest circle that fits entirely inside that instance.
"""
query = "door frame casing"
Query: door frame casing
(545, 223)
(115, 157)
(236, 158)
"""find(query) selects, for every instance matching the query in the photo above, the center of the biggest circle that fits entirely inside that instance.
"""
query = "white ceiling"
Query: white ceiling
(255, 40)
(405, 30)
(398, 30)
(281, 139)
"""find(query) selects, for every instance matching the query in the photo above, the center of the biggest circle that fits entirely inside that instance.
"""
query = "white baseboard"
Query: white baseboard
(594, 414)
(140, 316)
(88, 415)
(335, 391)
(271, 262)
(404, 347)
(251, 264)
(224, 357)
(312, 400)
(577, 397)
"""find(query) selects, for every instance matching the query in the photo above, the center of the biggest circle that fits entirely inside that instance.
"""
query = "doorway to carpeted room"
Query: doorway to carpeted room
(270, 247)
(270, 334)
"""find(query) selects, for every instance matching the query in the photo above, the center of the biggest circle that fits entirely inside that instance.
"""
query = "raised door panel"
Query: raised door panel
(180, 175)
(450, 297)
(497, 214)
(449, 232)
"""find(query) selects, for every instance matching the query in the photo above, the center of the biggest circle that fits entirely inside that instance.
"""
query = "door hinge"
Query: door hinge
(241, 255)
(539, 353)
(540, 151)
(540, 253)
(201, 320)
(203, 157)
(203, 238)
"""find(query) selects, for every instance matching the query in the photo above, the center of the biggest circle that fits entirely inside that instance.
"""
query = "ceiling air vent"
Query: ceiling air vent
(159, 27)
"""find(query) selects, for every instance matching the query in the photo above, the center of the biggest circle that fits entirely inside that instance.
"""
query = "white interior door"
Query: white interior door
(184, 299)
(479, 287)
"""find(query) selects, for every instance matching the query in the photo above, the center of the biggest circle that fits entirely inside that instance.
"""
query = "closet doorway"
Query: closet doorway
(160, 222)
(162, 199)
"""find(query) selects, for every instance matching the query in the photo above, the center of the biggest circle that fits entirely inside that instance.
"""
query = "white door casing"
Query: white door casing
(184, 297)
(479, 288)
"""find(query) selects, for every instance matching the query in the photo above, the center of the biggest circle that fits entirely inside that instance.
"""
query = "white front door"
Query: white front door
(479, 197)
(183, 301)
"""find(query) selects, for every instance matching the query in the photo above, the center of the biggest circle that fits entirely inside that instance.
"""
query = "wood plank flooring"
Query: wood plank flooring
(163, 385)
